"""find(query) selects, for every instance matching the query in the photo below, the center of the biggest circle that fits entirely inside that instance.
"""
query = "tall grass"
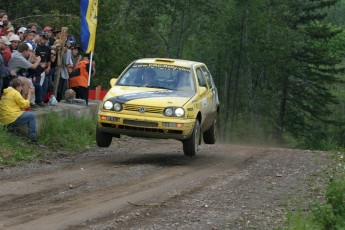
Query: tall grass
(65, 133)
(15, 149)
(68, 133)
(329, 215)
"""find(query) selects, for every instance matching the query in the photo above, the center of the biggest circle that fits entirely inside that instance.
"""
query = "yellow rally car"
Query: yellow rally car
(161, 98)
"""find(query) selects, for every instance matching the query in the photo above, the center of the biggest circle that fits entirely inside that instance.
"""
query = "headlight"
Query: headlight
(174, 112)
(179, 112)
(168, 112)
(117, 106)
(108, 105)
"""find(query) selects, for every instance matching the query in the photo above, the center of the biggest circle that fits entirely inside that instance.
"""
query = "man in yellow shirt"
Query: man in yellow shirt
(12, 104)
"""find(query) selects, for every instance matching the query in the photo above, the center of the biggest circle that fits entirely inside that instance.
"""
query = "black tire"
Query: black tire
(210, 136)
(190, 146)
(103, 139)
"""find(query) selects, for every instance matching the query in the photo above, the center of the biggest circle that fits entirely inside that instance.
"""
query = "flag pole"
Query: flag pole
(89, 78)
(88, 25)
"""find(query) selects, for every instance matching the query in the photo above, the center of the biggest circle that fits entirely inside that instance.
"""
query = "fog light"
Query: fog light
(105, 118)
(174, 125)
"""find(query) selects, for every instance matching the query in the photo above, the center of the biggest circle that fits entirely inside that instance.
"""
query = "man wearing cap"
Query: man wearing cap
(15, 40)
(21, 32)
(49, 32)
(43, 51)
(19, 61)
(57, 33)
(76, 57)
(30, 37)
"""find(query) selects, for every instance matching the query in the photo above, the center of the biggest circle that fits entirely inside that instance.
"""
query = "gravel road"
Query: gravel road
(150, 184)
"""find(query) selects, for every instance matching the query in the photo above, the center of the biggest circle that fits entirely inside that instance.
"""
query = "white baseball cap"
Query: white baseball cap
(30, 46)
(5, 40)
(22, 30)
(14, 37)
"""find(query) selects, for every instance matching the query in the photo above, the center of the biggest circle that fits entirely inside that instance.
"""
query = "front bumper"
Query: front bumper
(153, 127)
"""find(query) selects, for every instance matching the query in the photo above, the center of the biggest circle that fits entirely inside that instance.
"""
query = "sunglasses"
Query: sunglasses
(53, 54)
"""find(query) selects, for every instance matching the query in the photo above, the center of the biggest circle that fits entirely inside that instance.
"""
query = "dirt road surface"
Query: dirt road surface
(150, 184)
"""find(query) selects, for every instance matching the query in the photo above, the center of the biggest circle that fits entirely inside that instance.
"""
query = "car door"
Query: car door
(215, 100)
(206, 98)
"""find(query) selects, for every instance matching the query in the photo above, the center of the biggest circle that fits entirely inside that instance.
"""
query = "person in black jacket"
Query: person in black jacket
(44, 51)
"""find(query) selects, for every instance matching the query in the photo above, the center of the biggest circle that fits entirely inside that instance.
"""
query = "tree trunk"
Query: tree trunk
(282, 109)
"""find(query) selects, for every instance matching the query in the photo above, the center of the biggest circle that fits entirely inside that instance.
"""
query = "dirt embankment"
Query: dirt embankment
(150, 184)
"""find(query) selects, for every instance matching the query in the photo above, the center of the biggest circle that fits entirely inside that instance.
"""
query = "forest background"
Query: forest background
(278, 64)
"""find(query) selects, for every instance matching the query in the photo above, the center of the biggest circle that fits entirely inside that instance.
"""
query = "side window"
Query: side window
(201, 77)
(208, 77)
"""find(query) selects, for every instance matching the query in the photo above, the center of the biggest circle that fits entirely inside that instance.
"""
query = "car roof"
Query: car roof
(168, 61)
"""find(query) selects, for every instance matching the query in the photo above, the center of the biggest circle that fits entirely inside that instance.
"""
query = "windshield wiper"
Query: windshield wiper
(156, 86)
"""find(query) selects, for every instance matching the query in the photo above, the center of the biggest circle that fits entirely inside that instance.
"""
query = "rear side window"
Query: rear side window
(201, 77)
(208, 77)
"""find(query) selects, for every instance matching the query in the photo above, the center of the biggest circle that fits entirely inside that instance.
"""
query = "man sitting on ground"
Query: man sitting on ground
(11, 105)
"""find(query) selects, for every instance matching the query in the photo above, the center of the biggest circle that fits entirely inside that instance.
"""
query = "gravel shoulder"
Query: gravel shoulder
(150, 184)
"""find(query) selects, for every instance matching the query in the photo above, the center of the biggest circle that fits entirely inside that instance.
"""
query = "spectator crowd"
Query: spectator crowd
(36, 61)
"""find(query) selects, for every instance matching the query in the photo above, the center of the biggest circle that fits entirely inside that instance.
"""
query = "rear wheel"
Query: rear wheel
(210, 136)
(103, 139)
(190, 146)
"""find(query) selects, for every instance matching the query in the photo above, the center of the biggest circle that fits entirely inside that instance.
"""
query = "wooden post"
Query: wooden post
(60, 54)
(98, 92)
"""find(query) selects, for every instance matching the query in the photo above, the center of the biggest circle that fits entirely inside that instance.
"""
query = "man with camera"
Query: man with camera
(18, 63)
(12, 105)
(43, 51)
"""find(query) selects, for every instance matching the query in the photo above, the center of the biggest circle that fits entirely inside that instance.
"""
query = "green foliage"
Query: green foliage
(330, 214)
(68, 133)
(15, 149)
(57, 133)
(298, 221)
(56, 14)
(276, 63)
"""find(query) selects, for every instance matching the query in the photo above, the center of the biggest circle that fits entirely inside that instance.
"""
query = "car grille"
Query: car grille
(148, 109)
(131, 128)
(141, 129)
(140, 123)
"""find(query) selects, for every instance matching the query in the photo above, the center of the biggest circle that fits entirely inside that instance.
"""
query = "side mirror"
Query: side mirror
(202, 90)
(113, 81)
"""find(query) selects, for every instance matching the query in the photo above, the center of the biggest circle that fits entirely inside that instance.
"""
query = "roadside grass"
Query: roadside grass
(15, 149)
(329, 215)
(68, 133)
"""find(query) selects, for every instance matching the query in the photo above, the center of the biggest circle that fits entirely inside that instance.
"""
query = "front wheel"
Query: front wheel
(190, 146)
(103, 139)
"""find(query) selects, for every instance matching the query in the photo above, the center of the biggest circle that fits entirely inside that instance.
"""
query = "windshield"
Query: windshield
(158, 76)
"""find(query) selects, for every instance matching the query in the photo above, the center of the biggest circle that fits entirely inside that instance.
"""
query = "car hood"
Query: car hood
(148, 96)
